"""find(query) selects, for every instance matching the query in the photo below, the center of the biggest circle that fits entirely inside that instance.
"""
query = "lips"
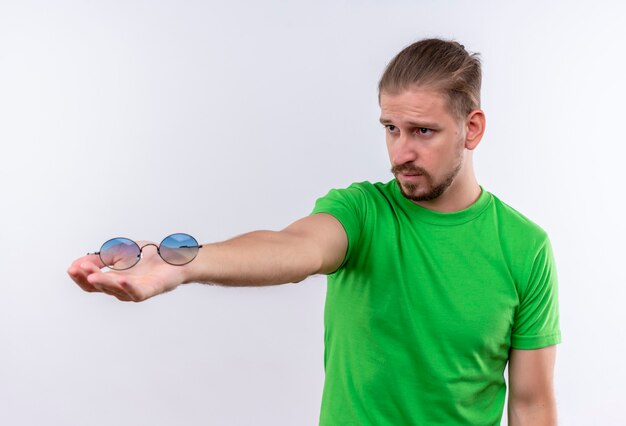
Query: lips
(408, 172)
(410, 176)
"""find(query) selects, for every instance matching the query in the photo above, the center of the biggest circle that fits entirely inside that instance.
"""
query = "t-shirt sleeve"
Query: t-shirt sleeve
(347, 206)
(536, 323)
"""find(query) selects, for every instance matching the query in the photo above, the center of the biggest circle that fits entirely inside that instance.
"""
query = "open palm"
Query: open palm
(149, 277)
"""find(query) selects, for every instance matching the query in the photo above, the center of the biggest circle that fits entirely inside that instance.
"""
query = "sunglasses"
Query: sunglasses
(123, 253)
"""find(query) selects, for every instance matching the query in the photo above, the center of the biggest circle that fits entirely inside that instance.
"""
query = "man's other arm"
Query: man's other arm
(315, 244)
(531, 391)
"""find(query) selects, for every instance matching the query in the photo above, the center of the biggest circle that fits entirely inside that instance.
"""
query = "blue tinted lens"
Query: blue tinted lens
(120, 253)
(178, 249)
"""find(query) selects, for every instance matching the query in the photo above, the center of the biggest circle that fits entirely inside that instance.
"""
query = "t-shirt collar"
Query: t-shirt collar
(442, 218)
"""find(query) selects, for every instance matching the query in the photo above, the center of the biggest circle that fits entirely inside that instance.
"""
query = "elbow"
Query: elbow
(532, 410)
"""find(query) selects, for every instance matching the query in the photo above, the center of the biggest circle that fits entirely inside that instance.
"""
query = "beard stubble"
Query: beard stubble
(435, 190)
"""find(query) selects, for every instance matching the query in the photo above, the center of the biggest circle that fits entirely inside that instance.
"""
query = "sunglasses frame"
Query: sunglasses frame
(140, 254)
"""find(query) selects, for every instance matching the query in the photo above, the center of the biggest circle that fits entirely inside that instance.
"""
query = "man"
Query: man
(434, 284)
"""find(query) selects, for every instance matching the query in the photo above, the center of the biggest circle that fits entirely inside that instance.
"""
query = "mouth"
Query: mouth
(410, 176)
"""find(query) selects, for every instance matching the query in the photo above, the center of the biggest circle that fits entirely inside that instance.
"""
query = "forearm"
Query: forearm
(532, 413)
(255, 259)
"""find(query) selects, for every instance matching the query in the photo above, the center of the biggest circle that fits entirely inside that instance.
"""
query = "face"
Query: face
(425, 142)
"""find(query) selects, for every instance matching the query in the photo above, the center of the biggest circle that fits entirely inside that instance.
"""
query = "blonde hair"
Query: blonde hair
(439, 64)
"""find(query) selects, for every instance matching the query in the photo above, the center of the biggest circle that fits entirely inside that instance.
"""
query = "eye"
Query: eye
(424, 131)
(391, 128)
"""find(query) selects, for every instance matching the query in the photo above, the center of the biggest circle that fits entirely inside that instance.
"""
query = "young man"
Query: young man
(434, 284)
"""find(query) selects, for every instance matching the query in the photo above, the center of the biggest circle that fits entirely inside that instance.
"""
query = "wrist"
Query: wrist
(191, 272)
(188, 272)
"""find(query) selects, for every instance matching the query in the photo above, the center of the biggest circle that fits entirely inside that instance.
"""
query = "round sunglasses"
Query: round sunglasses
(123, 253)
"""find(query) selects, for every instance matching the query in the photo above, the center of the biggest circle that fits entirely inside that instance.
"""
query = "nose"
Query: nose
(403, 150)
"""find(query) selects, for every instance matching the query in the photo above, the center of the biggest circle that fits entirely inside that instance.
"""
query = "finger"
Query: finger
(117, 285)
(136, 292)
(92, 258)
(142, 287)
(120, 295)
(105, 282)
(79, 276)
(108, 283)
(89, 267)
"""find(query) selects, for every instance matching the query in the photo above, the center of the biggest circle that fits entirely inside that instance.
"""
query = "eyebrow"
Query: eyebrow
(425, 124)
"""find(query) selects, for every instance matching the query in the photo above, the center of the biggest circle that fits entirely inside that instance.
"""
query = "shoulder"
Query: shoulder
(518, 226)
(370, 188)
(524, 243)
(364, 191)
(358, 205)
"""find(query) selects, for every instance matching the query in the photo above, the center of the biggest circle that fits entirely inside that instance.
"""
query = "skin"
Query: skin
(423, 137)
(531, 390)
(430, 150)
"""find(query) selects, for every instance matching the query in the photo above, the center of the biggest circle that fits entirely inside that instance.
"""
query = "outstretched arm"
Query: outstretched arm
(312, 245)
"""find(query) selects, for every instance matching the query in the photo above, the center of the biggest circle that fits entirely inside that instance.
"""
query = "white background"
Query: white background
(143, 118)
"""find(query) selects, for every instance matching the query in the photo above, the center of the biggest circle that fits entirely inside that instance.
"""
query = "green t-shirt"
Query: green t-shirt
(423, 311)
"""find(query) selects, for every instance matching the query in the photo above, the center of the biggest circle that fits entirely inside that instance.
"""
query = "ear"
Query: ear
(475, 127)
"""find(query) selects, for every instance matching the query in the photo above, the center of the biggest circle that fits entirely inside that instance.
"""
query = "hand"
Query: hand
(149, 277)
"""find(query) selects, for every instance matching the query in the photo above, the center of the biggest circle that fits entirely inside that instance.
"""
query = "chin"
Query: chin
(421, 192)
